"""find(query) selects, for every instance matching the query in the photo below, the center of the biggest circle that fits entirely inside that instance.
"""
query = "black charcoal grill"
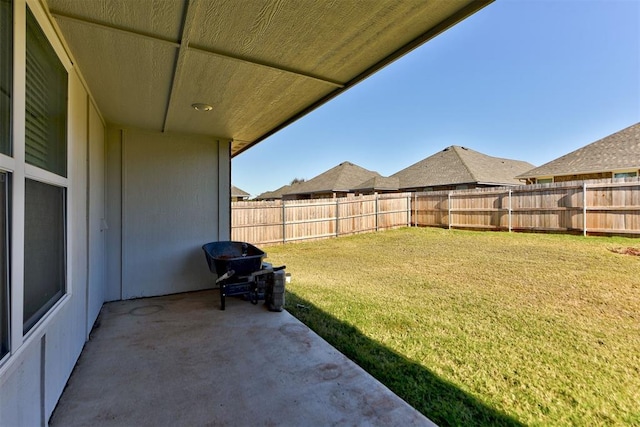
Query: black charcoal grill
(241, 271)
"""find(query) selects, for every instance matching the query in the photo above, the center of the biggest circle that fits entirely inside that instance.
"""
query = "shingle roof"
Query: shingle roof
(460, 165)
(236, 192)
(618, 151)
(275, 194)
(379, 183)
(341, 178)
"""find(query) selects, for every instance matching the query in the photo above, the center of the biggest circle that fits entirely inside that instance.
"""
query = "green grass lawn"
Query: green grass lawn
(481, 328)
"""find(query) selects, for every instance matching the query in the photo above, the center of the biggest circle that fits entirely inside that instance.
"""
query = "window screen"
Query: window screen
(46, 103)
(6, 72)
(44, 249)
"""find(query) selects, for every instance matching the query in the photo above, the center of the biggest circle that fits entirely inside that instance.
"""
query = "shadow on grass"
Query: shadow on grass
(439, 400)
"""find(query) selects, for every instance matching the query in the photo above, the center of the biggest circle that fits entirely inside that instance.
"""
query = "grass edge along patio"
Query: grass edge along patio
(476, 328)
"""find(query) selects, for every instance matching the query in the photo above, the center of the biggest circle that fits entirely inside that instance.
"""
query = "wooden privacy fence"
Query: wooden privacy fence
(280, 222)
(605, 206)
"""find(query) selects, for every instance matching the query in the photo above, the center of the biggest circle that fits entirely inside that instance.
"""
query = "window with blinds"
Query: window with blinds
(46, 103)
(45, 204)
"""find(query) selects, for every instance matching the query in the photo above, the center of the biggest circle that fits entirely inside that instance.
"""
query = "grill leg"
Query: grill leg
(222, 294)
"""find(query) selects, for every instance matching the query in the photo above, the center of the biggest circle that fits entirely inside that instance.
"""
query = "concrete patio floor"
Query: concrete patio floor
(179, 360)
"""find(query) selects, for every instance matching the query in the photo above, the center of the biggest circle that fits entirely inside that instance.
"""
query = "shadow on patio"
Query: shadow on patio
(180, 360)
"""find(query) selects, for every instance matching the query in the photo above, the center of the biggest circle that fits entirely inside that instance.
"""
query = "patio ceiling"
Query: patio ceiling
(261, 64)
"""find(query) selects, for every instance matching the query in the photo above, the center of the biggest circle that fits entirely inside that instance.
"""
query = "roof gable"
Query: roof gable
(492, 170)
(236, 192)
(618, 151)
(341, 178)
(276, 194)
(460, 165)
(379, 183)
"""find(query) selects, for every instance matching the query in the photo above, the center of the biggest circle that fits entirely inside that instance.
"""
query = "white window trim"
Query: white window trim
(20, 172)
(7, 164)
(47, 28)
(16, 281)
(37, 174)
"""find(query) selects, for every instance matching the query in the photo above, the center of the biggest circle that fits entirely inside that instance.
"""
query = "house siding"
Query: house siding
(97, 222)
(33, 377)
(309, 196)
(113, 291)
(452, 187)
(169, 210)
(35, 372)
(582, 177)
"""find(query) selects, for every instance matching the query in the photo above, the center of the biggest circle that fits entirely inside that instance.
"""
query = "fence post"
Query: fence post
(510, 224)
(584, 209)
(376, 210)
(337, 217)
(449, 208)
(416, 221)
(284, 222)
(409, 210)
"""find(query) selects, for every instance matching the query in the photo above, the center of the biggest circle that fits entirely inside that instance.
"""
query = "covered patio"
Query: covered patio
(180, 360)
(131, 145)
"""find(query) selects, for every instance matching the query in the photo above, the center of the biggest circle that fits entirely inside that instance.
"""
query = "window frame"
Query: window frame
(46, 118)
(10, 73)
(631, 173)
(5, 202)
(61, 290)
(5, 271)
(35, 173)
(19, 171)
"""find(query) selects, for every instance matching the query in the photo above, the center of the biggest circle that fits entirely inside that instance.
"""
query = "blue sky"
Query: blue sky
(522, 79)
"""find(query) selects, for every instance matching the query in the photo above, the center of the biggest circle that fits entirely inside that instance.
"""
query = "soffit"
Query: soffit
(261, 64)
(131, 84)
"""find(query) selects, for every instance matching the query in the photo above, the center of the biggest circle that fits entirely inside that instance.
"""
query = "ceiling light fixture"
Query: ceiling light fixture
(198, 106)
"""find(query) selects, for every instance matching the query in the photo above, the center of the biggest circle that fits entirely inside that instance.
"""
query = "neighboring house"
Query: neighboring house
(275, 194)
(459, 168)
(378, 185)
(336, 182)
(238, 195)
(118, 123)
(615, 156)
(269, 196)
